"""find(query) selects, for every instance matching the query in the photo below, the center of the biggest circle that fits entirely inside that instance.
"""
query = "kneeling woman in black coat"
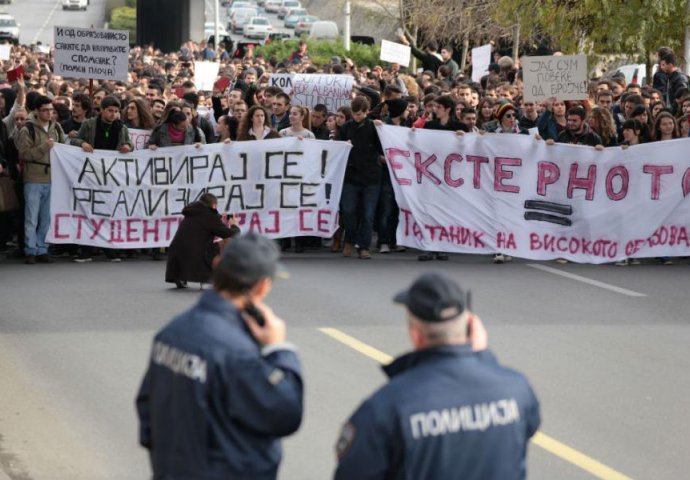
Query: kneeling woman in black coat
(191, 253)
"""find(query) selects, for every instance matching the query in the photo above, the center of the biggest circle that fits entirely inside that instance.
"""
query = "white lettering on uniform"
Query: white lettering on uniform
(180, 362)
(466, 418)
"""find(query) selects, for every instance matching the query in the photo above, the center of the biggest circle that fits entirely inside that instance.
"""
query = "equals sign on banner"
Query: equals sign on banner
(548, 212)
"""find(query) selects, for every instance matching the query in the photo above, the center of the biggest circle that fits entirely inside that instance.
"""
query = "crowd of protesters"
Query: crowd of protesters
(160, 95)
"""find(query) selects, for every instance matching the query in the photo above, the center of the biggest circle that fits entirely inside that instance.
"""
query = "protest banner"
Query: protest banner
(516, 195)
(481, 59)
(92, 53)
(205, 74)
(395, 53)
(308, 90)
(139, 137)
(561, 76)
(279, 188)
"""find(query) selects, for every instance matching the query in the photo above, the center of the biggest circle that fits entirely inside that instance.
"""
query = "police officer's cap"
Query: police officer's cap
(433, 297)
(250, 258)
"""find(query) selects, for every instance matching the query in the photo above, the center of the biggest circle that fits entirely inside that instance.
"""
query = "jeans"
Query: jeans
(388, 214)
(36, 217)
(358, 208)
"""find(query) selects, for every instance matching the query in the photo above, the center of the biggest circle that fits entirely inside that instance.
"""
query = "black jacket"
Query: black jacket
(192, 249)
(452, 126)
(429, 60)
(587, 137)
(363, 165)
(676, 81)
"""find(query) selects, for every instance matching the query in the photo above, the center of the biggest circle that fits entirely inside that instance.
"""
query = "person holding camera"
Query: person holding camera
(222, 385)
(450, 410)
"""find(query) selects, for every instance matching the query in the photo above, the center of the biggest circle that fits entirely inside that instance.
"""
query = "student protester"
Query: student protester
(299, 124)
(138, 115)
(103, 132)
(601, 121)
(665, 127)
(318, 122)
(280, 118)
(35, 141)
(81, 110)
(192, 250)
(343, 115)
(577, 131)
(362, 179)
(256, 125)
(633, 133)
(175, 129)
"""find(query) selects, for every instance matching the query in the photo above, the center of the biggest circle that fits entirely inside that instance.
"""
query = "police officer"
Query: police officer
(450, 411)
(222, 385)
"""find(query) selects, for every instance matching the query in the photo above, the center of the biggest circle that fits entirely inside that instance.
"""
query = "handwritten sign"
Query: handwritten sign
(279, 188)
(395, 53)
(91, 53)
(560, 76)
(309, 90)
(481, 59)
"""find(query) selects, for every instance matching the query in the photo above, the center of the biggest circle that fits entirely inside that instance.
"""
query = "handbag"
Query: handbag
(8, 194)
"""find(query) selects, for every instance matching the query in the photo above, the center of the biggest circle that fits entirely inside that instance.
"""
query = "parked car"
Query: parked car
(293, 15)
(636, 73)
(303, 25)
(323, 30)
(257, 27)
(240, 18)
(287, 5)
(9, 28)
(272, 6)
(75, 4)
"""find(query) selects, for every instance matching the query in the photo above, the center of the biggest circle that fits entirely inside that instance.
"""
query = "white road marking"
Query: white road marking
(48, 19)
(588, 281)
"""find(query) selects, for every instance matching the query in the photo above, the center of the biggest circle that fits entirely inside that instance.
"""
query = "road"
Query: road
(605, 349)
(38, 17)
(278, 24)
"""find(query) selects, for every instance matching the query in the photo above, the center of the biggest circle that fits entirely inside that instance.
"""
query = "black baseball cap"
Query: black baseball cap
(251, 257)
(433, 297)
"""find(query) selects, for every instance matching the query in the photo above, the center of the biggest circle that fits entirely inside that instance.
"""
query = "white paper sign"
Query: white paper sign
(5, 51)
(91, 53)
(481, 59)
(279, 188)
(139, 137)
(395, 53)
(562, 76)
(512, 194)
(308, 90)
(205, 75)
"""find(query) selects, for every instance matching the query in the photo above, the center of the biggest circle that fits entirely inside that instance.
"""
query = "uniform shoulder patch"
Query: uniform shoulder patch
(347, 437)
(276, 376)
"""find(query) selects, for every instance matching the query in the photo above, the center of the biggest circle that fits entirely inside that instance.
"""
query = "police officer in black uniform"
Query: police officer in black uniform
(450, 411)
(222, 385)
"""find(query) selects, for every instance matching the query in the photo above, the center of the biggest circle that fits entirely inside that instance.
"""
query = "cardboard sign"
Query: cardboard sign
(561, 76)
(481, 59)
(395, 53)
(91, 53)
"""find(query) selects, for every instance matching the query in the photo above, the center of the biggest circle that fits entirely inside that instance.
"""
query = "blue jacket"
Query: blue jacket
(446, 413)
(213, 404)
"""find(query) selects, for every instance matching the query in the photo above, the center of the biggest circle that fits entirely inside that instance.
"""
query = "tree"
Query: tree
(633, 27)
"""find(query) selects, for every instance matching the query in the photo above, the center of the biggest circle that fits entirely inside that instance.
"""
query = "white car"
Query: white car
(9, 28)
(240, 18)
(257, 27)
(323, 30)
(287, 5)
(210, 29)
(272, 6)
(75, 4)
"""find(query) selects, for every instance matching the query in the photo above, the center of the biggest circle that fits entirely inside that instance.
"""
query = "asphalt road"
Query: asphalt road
(609, 368)
(38, 17)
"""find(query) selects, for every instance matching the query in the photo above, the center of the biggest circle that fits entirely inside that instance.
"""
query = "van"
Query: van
(324, 30)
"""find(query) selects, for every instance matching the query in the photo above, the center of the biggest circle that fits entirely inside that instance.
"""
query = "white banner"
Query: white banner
(310, 89)
(481, 59)
(139, 137)
(395, 53)
(279, 188)
(561, 76)
(516, 195)
(91, 53)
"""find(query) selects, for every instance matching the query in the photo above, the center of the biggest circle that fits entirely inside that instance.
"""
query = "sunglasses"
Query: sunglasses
(509, 115)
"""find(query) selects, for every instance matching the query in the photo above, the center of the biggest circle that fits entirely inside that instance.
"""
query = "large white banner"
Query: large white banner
(516, 195)
(279, 188)
(91, 53)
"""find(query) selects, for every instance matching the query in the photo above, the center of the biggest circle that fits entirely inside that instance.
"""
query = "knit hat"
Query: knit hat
(503, 109)
(396, 107)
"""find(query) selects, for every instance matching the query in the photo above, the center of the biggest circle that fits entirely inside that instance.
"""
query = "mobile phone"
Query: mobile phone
(251, 310)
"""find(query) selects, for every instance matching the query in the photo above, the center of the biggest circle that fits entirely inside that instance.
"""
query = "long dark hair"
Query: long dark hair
(246, 123)
(146, 119)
